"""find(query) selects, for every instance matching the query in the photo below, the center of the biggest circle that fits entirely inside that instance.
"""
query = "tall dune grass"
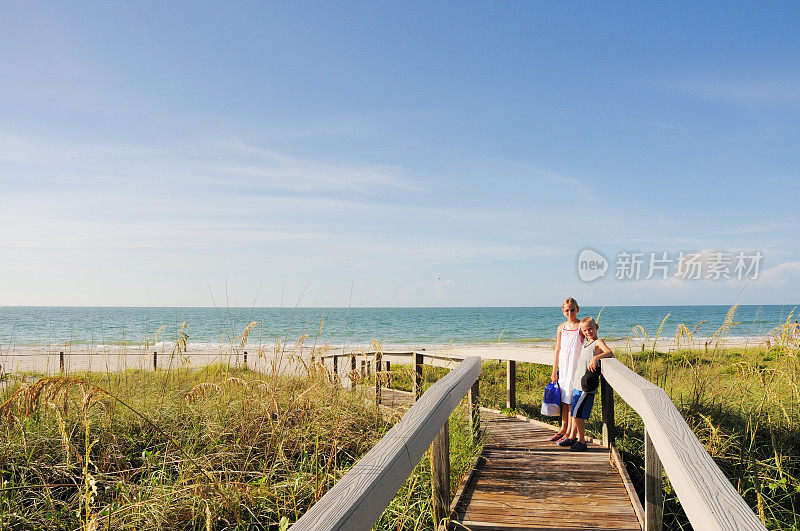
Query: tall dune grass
(213, 448)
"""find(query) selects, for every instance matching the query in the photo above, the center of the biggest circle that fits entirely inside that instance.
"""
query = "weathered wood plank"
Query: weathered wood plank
(626, 480)
(440, 473)
(653, 487)
(378, 366)
(474, 412)
(417, 371)
(396, 399)
(607, 405)
(511, 384)
(526, 481)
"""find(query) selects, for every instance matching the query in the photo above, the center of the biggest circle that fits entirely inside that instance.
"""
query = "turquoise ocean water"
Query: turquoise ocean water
(24, 326)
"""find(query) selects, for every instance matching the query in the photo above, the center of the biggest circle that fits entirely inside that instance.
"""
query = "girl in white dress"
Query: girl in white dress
(568, 348)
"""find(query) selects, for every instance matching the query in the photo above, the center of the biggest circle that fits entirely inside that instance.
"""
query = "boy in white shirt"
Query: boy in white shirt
(585, 383)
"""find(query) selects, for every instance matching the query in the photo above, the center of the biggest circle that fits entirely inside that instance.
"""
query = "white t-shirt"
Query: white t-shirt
(585, 358)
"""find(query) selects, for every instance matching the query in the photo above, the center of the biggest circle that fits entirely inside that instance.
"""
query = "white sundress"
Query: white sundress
(567, 360)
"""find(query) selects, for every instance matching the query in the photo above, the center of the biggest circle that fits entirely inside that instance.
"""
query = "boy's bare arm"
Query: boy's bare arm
(604, 352)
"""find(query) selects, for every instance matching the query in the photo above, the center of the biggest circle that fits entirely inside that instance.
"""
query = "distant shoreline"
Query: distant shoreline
(45, 359)
(206, 347)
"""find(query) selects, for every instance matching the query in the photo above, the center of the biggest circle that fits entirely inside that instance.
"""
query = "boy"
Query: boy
(585, 383)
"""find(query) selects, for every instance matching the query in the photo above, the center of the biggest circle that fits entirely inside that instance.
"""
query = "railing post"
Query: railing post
(474, 412)
(155, 360)
(607, 402)
(417, 372)
(653, 487)
(352, 371)
(440, 474)
(378, 378)
(511, 384)
(335, 369)
(245, 359)
(61, 361)
(388, 374)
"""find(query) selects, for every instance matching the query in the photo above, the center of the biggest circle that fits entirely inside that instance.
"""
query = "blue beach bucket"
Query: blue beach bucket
(551, 404)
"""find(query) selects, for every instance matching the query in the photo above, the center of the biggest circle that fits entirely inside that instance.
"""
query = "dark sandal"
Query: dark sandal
(578, 447)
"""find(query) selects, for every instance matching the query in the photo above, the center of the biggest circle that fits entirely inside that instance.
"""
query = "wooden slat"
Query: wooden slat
(440, 473)
(358, 499)
(626, 480)
(653, 487)
(394, 398)
(474, 412)
(416, 385)
(511, 384)
(607, 410)
(525, 481)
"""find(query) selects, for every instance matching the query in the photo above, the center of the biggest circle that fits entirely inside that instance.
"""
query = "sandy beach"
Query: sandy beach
(46, 359)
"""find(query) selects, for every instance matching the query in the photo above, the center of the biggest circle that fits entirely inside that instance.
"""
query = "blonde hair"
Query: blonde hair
(571, 302)
(591, 322)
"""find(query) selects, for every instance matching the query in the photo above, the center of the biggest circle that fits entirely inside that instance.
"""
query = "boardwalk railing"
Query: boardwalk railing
(359, 498)
(706, 495)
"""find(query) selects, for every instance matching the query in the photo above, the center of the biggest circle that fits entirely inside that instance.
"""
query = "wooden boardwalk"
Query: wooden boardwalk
(522, 480)
(394, 398)
(526, 482)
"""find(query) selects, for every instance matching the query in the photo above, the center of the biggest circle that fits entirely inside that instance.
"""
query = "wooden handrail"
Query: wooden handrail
(360, 497)
(707, 497)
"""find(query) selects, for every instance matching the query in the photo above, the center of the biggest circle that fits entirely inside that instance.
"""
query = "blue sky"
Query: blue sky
(402, 154)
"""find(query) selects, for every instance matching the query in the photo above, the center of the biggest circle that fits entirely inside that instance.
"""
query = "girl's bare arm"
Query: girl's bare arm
(554, 374)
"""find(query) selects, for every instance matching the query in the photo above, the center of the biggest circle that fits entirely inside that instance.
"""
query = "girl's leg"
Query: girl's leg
(564, 423)
(564, 419)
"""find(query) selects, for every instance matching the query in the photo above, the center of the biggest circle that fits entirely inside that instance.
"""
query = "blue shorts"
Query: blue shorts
(581, 404)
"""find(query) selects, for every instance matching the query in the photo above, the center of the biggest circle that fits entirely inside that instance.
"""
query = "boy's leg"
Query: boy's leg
(570, 429)
(580, 429)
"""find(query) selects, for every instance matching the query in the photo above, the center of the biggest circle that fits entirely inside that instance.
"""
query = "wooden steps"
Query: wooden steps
(526, 482)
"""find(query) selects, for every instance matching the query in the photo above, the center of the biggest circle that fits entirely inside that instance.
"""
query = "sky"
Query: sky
(396, 153)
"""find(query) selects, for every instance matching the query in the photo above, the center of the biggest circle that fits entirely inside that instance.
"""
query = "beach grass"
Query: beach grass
(210, 448)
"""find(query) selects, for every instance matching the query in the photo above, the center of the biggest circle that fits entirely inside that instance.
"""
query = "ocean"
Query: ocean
(22, 326)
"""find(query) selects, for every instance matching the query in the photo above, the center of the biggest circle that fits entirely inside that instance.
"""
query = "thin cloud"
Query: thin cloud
(229, 165)
(259, 167)
(781, 275)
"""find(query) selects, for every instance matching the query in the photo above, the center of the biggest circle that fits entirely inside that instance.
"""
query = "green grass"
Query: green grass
(217, 448)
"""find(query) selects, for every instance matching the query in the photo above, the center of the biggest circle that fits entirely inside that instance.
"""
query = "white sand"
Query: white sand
(45, 359)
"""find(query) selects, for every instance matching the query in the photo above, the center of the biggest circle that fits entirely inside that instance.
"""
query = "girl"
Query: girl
(568, 346)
